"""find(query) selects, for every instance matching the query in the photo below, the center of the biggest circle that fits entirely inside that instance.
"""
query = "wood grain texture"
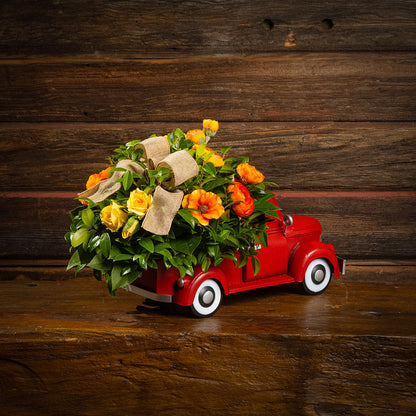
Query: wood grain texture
(383, 272)
(285, 87)
(102, 29)
(69, 345)
(297, 156)
(359, 228)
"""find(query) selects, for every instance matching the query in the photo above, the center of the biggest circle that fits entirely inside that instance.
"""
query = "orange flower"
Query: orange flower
(249, 174)
(94, 179)
(196, 136)
(244, 205)
(97, 177)
(215, 158)
(208, 204)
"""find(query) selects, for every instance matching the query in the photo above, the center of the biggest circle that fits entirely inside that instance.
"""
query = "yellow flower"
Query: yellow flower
(208, 204)
(113, 217)
(139, 202)
(211, 125)
(131, 226)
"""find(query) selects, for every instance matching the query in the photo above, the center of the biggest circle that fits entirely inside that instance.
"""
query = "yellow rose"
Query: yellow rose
(131, 226)
(113, 217)
(139, 202)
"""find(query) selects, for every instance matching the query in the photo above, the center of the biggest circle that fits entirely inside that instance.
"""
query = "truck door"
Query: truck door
(273, 258)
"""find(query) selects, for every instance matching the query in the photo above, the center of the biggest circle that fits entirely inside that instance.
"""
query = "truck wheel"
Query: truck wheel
(207, 299)
(317, 277)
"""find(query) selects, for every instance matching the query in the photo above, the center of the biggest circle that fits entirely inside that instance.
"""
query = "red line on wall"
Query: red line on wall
(344, 194)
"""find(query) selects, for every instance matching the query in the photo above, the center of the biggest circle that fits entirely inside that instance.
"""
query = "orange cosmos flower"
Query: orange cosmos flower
(244, 205)
(249, 174)
(208, 204)
(195, 136)
(215, 158)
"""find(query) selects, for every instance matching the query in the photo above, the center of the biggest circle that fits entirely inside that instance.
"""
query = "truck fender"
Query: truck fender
(308, 251)
(185, 296)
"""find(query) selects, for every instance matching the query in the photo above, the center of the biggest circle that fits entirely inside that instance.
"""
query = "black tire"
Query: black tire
(207, 299)
(317, 276)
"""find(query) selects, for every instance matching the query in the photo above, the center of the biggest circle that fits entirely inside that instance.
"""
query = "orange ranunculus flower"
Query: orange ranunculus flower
(195, 136)
(210, 124)
(208, 204)
(240, 193)
(113, 217)
(97, 177)
(215, 158)
(249, 174)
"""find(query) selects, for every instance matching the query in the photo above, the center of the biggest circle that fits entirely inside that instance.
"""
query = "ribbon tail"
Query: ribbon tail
(108, 187)
(159, 217)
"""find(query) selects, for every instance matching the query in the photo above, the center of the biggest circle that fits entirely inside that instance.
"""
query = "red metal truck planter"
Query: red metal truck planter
(294, 253)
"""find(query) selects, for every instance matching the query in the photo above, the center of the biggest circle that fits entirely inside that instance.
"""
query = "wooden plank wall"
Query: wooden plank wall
(320, 95)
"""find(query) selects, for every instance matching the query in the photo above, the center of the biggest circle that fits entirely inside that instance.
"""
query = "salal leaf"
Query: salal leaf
(105, 244)
(74, 261)
(79, 237)
(188, 217)
(88, 217)
(99, 263)
(256, 264)
(147, 244)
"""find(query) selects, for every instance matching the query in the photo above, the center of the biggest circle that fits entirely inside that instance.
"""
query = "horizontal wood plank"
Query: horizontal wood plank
(285, 87)
(384, 272)
(70, 344)
(358, 227)
(297, 156)
(103, 29)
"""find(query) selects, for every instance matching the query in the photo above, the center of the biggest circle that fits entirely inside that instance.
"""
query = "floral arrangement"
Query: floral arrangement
(169, 199)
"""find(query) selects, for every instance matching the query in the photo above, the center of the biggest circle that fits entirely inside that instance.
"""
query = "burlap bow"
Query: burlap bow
(166, 203)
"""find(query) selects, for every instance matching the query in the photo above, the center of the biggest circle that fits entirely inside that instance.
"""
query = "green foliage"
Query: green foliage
(120, 260)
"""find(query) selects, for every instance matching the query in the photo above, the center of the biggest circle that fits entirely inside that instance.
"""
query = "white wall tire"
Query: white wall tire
(317, 277)
(207, 299)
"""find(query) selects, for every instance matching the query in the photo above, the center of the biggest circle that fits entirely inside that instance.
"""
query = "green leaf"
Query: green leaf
(75, 260)
(147, 244)
(116, 278)
(186, 246)
(242, 260)
(256, 264)
(233, 241)
(123, 257)
(188, 217)
(230, 256)
(97, 274)
(264, 238)
(88, 217)
(210, 169)
(205, 264)
(224, 150)
(99, 263)
(201, 149)
(127, 180)
(105, 244)
(80, 237)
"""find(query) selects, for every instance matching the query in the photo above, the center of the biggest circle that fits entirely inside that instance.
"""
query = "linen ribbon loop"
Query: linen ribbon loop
(156, 153)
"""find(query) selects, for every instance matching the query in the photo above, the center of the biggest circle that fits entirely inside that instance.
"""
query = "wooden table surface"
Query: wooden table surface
(67, 347)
